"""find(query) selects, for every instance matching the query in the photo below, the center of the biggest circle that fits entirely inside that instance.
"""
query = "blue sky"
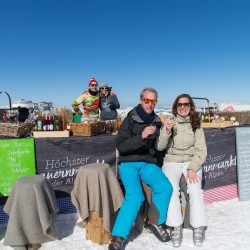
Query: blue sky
(49, 49)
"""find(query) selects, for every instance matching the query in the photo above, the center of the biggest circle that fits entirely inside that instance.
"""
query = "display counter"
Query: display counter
(59, 159)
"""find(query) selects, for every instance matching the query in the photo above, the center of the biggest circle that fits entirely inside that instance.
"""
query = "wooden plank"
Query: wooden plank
(218, 124)
(43, 134)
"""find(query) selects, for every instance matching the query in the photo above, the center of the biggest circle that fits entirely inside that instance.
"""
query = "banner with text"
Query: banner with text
(220, 168)
(59, 159)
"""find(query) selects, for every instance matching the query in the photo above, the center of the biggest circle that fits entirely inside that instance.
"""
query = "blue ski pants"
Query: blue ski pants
(132, 174)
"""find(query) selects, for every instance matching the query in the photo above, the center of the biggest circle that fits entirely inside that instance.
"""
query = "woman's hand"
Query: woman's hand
(112, 93)
(169, 125)
(192, 177)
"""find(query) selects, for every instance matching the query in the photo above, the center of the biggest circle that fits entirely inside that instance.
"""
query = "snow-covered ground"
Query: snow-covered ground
(235, 105)
(228, 229)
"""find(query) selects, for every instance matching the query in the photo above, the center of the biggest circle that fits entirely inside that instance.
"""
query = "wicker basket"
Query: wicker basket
(15, 129)
(88, 128)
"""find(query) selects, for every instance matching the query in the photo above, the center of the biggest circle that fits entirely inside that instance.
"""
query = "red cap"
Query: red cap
(92, 80)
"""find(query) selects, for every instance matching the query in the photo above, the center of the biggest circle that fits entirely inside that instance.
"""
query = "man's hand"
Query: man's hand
(148, 131)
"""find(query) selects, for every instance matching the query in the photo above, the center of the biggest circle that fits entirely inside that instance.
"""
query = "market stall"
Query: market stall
(58, 159)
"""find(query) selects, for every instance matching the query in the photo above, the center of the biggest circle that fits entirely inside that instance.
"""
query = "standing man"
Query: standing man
(90, 100)
(136, 145)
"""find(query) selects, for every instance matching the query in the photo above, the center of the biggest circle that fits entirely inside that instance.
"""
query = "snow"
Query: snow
(235, 105)
(228, 229)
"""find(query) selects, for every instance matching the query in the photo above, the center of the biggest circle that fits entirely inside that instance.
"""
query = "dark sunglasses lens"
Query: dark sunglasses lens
(183, 104)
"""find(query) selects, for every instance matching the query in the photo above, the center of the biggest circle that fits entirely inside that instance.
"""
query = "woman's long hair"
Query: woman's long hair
(194, 117)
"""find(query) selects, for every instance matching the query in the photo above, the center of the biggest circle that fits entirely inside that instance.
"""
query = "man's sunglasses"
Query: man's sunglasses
(102, 88)
(93, 85)
(185, 104)
(147, 101)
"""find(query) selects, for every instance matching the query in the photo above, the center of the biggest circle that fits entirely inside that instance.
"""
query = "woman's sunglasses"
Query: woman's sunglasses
(102, 88)
(147, 101)
(185, 104)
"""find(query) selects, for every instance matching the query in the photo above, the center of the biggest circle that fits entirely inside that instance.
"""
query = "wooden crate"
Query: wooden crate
(87, 128)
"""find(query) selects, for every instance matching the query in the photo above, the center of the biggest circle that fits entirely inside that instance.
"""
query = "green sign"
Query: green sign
(17, 158)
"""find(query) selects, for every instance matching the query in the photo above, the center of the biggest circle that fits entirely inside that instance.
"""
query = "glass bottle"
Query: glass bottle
(39, 121)
(4, 117)
(202, 115)
(119, 122)
(45, 122)
(51, 122)
(211, 115)
(206, 117)
(63, 116)
(56, 119)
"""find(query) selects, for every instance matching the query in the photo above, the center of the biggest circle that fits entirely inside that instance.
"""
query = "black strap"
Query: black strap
(8, 97)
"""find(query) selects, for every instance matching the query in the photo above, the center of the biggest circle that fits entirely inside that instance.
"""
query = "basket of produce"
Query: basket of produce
(87, 128)
(16, 130)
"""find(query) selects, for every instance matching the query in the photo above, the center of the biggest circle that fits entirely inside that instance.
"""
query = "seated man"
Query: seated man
(136, 145)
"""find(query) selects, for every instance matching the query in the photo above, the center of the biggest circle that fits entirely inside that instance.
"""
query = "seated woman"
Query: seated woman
(186, 151)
